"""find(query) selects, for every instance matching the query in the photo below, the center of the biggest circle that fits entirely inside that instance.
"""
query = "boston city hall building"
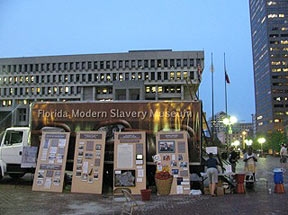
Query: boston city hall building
(133, 75)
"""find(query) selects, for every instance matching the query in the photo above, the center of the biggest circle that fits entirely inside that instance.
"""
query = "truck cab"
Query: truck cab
(11, 149)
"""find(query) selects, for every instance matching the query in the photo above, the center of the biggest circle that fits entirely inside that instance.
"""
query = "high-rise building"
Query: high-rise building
(135, 75)
(269, 31)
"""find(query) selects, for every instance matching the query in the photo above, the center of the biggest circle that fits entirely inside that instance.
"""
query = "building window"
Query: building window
(159, 64)
(178, 62)
(126, 63)
(139, 63)
(114, 64)
(165, 63)
(95, 65)
(107, 64)
(172, 63)
(191, 62)
(152, 63)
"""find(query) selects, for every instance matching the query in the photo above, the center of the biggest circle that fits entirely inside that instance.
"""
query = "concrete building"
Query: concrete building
(269, 31)
(135, 75)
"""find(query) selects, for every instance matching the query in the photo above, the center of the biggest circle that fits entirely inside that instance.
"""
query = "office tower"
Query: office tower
(269, 31)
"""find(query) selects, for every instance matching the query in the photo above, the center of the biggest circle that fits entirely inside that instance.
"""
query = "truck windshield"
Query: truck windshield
(13, 137)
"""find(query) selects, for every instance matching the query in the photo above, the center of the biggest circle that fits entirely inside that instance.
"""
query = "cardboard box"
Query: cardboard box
(206, 191)
(220, 191)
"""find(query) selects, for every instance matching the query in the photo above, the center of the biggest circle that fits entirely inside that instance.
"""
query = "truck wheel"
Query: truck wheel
(16, 175)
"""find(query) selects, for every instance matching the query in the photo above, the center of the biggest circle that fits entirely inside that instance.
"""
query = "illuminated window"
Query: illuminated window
(160, 89)
(147, 89)
(178, 75)
(172, 75)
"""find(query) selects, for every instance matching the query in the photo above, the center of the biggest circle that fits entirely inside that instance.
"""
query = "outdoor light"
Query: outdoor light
(236, 143)
(261, 140)
(228, 122)
(248, 142)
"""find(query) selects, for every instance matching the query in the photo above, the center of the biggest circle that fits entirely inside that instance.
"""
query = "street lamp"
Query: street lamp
(228, 122)
(248, 142)
(236, 143)
(261, 140)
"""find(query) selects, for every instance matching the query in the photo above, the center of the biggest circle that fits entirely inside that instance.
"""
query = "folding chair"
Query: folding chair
(131, 205)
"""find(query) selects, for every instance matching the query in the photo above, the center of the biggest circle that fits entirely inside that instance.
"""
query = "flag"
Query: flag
(227, 78)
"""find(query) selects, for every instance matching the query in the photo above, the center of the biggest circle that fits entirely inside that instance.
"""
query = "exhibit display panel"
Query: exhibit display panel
(51, 162)
(88, 162)
(130, 161)
(172, 156)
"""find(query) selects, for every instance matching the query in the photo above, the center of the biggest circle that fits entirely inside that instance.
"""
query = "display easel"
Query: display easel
(88, 162)
(172, 150)
(51, 162)
(130, 161)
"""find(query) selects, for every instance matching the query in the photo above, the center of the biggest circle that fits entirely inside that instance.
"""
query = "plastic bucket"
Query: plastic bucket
(278, 176)
(240, 178)
(146, 194)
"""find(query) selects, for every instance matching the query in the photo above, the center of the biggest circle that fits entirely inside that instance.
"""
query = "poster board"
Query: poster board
(88, 162)
(172, 153)
(51, 162)
(130, 161)
(29, 157)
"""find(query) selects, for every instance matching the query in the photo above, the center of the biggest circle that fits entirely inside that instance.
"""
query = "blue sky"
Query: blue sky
(67, 27)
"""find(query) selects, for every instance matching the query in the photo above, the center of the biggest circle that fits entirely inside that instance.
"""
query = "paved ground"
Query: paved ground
(16, 197)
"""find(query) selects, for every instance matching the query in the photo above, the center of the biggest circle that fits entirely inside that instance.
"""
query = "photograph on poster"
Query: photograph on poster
(40, 182)
(80, 153)
(183, 164)
(88, 155)
(166, 146)
(173, 163)
(179, 180)
(79, 161)
(180, 157)
(89, 146)
(56, 181)
(78, 173)
(175, 171)
(98, 146)
(126, 178)
(166, 158)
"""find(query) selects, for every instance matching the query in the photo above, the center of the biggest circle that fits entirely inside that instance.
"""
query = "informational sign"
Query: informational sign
(130, 161)
(172, 156)
(29, 157)
(88, 162)
(50, 170)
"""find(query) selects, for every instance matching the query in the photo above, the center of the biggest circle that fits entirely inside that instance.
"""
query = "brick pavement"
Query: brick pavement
(18, 198)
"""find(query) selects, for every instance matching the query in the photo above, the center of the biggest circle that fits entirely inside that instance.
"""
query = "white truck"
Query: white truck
(12, 142)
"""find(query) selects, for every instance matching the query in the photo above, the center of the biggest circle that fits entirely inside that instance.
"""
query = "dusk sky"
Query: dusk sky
(67, 27)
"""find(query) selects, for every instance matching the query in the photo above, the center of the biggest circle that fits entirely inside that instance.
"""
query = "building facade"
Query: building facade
(135, 75)
(269, 32)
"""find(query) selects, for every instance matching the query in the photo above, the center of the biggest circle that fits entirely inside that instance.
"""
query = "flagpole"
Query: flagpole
(225, 74)
(212, 86)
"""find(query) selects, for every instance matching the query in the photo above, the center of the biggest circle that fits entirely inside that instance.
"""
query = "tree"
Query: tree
(275, 139)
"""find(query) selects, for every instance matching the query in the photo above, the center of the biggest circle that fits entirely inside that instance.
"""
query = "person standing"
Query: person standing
(250, 160)
(283, 156)
(233, 158)
(212, 173)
